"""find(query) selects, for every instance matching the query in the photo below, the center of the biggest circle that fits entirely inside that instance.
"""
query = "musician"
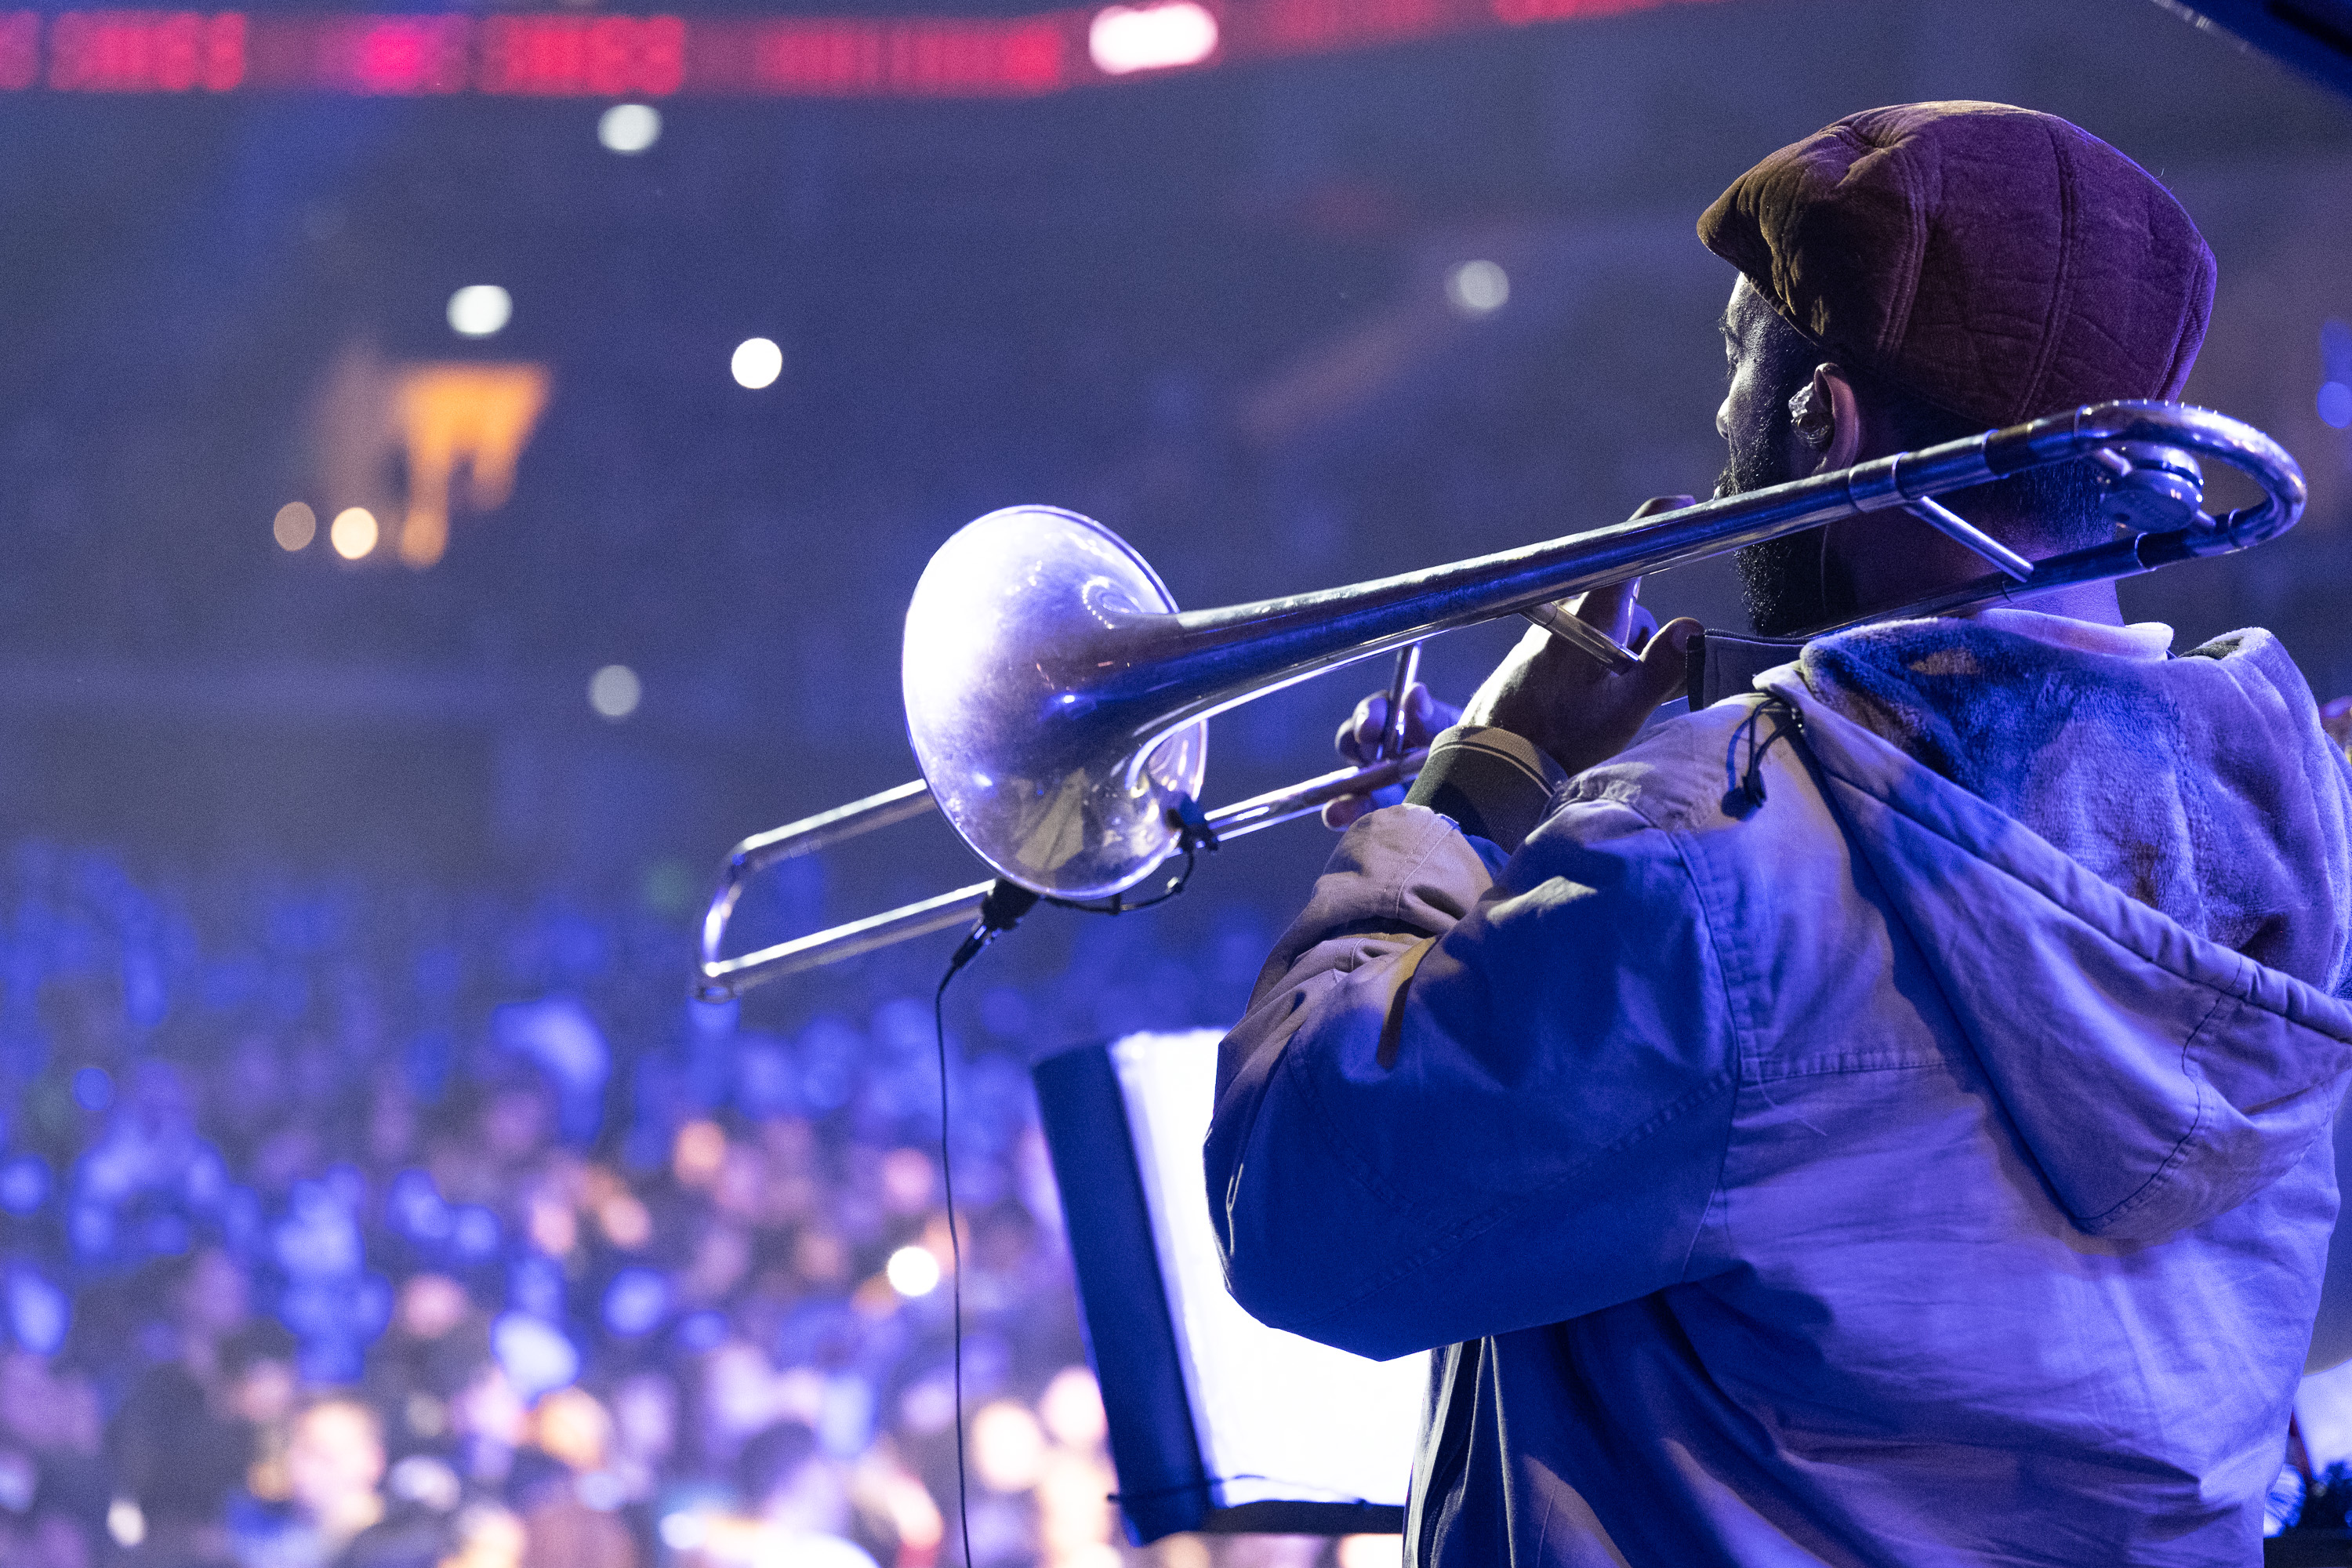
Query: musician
(1880, 1117)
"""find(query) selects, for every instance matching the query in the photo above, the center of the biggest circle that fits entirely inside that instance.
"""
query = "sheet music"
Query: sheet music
(1278, 1416)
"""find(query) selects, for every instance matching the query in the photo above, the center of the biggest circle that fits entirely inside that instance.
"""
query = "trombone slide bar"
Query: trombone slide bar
(1961, 531)
(1210, 659)
(1569, 628)
(724, 979)
(1244, 818)
(901, 803)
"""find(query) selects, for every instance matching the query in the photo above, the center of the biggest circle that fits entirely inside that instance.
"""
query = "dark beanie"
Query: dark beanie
(1997, 262)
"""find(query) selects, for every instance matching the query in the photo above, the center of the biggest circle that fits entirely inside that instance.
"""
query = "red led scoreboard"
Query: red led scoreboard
(119, 51)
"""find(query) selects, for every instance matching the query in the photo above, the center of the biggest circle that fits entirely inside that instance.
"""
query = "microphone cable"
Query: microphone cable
(999, 912)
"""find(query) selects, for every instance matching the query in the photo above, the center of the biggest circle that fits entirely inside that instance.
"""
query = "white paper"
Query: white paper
(1278, 1417)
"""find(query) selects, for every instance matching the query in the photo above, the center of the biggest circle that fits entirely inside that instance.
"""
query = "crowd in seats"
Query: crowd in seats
(346, 1226)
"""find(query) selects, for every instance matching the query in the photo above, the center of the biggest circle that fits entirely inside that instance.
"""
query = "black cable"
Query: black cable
(1006, 902)
(955, 1250)
(1117, 903)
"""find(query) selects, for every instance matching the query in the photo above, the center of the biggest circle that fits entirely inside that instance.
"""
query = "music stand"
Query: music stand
(1217, 1423)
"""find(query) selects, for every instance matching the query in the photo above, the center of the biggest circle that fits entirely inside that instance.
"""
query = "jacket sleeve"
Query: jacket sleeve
(1464, 1102)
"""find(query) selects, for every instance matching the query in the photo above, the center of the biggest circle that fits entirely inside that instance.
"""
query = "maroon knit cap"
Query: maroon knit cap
(1999, 263)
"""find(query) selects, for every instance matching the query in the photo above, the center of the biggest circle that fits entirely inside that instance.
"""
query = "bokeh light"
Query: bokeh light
(1125, 38)
(614, 691)
(698, 1151)
(37, 1312)
(1072, 1409)
(757, 363)
(1008, 1447)
(2336, 404)
(125, 1523)
(294, 526)
(480, 310)
(354, 532)
(94, 1090)
(1477, 287)
(23, 1184)
(629, 126)
(912, 1271)
(625, 1221)
(636, 1301)
(535, 1356)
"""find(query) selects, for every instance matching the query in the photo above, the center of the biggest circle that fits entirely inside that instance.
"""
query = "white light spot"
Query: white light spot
(1124, 38)
(683, 1532)
(1477, 287)
(614, 691)
(629, 126)
(535, 1355)
(757, 363)
(294, 526)
(912, 1271)
(479, 310)
(125, 1523)
(354, 532)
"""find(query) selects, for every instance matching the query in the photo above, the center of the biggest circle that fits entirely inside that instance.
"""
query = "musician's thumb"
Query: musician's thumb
(1665, 660)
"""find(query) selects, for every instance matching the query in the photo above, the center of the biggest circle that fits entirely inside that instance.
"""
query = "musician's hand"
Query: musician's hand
(2336, 718)
(1565, 700)
(1360, 739)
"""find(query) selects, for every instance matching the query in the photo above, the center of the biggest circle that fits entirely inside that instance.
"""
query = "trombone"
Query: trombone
(1058, 700)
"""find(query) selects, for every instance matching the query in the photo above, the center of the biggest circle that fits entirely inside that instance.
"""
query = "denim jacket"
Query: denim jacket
(1879, 1119)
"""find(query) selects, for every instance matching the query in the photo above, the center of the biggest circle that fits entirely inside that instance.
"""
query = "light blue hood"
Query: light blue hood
(2158, 1074)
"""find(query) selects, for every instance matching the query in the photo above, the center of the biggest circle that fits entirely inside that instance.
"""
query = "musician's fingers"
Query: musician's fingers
(1609, 608)
(1338, 813)
(1360, 732)
(1618, 612)
(1439, 717)
(1425, 716)
(1645, 626)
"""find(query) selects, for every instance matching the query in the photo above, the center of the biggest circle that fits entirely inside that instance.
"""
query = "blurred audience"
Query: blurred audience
(342, 1228)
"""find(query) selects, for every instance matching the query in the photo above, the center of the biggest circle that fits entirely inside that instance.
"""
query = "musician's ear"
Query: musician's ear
(1826, 417)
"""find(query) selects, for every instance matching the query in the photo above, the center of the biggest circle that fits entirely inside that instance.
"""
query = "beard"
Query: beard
(1784, 583)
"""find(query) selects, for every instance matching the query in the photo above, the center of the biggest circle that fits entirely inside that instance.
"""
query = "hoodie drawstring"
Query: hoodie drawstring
(1747, 791)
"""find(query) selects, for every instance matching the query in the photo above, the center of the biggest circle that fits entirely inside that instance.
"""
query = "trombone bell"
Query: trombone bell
(1020, 626)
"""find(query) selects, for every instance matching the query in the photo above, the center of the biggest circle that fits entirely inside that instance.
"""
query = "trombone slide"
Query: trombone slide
(724, 979)
(1057, 699)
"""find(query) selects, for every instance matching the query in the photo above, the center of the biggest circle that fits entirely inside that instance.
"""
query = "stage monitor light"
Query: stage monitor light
(1217, 1423)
